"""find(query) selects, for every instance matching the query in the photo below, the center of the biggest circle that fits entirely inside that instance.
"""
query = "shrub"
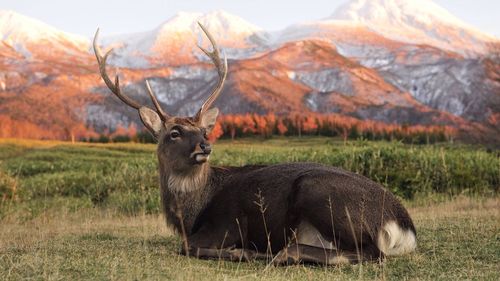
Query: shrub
(8, 187)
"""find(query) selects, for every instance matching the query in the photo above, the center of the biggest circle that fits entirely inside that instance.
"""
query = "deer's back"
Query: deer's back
(283, 195)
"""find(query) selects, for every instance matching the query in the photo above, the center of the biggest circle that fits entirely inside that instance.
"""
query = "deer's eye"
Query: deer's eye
(174, 134)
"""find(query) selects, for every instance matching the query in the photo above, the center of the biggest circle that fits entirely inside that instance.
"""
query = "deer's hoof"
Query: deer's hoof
(286, 257)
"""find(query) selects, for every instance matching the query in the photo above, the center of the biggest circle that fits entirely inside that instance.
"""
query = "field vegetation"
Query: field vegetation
(92, 211)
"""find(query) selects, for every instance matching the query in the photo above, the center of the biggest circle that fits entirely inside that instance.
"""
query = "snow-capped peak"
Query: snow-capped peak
(230, 30)
(180, 34)
(218, 22)
(16, 29)
(415, 21)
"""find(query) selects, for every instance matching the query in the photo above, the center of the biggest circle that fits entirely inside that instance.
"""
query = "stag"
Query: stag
(287, 213)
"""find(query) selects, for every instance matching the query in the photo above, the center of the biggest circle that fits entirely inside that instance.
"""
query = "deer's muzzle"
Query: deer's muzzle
(201, 152)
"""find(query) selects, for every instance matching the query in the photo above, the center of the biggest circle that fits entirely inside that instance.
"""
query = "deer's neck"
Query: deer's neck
(192, 181)
(184, 196)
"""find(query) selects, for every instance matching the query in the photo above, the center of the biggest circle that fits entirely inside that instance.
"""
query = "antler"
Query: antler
(221, 70)
(115, 87)
(163, 115)
(220, 65)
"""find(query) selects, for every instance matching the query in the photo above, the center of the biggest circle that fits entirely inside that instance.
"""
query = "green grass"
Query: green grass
(114, 174)
(91, 211)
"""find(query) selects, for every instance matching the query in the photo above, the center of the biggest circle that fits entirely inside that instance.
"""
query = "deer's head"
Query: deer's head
(182, 141)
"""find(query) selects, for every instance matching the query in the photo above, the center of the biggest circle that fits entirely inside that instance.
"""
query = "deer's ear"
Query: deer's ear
(208, 119)
(151, 120)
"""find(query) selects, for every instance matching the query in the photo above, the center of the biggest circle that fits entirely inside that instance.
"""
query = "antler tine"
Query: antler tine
(114, 87)
(163, 115)
(221, 71)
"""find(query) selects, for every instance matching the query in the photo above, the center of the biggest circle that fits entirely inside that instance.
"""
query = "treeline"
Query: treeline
(12, 128)
(266, 126)
(332, 125)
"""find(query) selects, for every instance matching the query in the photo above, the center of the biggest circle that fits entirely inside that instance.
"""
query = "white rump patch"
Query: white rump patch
(393, 240)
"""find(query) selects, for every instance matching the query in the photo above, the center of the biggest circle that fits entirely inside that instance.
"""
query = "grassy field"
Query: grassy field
(80, 211)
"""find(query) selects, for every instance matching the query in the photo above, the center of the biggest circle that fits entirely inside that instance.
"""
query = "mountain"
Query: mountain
(49, 79)
(180, 35)
(415, 21)
(416, 46)
(444, 81)
(299, 77)
(36, 40)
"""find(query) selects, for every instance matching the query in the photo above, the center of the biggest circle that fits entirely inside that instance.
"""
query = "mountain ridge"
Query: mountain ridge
(326, 66)
(29, 36)
(415, 21)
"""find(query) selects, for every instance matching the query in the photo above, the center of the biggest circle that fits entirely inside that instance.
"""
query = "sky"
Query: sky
(118, 17)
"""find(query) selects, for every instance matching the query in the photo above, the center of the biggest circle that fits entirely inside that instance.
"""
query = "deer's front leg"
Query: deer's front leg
(222, 241)
(210, 239)
(231, 254)
(209, 246)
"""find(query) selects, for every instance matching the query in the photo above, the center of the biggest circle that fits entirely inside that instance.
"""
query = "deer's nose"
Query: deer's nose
(206, 147)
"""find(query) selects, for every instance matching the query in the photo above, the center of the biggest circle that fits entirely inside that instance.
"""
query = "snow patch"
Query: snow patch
(327, 80)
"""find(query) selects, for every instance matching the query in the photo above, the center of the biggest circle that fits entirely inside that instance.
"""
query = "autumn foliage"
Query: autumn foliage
(46, 112)
(247, 125)
(234, 126)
